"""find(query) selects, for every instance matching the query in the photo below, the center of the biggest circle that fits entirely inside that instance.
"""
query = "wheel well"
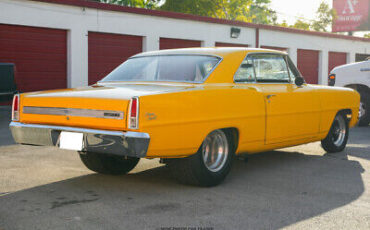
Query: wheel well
(233, 134)
(346, 112)
(358, 87)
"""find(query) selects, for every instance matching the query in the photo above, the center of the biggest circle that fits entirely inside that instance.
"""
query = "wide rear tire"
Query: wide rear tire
(210, 165)
(108, 164)
(337, 138)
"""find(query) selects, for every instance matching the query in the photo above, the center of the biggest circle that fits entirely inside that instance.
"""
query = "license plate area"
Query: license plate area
(71, 141)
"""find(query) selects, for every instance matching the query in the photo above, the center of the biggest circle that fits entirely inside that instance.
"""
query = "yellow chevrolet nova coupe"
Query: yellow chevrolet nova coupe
(193, 108)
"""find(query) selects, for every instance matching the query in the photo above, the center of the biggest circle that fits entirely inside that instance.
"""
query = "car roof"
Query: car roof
(212, 51)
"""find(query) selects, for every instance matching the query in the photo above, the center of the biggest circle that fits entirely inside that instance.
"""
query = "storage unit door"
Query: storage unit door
(275, 48)
(336, 59)
(223, 44)
(170, 43)
(308, 65)
(39, 56)
(107, 51)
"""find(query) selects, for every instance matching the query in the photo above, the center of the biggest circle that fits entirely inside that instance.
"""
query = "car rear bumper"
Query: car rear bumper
(133, 144)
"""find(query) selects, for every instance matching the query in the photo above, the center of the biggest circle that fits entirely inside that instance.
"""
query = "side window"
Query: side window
(246, 72)
(271, 68)
(293, 71)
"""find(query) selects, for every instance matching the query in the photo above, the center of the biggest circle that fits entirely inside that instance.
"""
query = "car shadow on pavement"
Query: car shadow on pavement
(359, 145)
(5, 117)
(273, 190)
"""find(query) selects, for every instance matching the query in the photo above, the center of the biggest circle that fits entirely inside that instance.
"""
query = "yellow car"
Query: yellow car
(193, 108)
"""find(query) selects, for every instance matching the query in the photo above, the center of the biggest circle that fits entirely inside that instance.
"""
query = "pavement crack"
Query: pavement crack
(58, 204)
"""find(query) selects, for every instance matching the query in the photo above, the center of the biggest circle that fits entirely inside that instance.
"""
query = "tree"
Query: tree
(325, 17)
(200, 7)
(283, 24)
(148, 4)
(262, 13)
(255, 11)
(367, 35)
(300, 24)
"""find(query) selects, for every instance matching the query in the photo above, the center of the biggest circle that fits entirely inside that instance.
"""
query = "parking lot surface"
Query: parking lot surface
(293, 188)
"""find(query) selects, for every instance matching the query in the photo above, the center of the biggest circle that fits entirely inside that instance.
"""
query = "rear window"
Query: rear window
(181, 68)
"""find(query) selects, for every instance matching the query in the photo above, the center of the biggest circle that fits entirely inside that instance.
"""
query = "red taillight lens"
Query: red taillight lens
(15, 108)
(133, 119)
(133, 107)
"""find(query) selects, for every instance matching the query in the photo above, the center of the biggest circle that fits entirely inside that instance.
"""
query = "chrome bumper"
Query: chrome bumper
(133, 144)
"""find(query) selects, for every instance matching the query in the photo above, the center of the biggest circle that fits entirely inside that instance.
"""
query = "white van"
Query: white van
(355, 76)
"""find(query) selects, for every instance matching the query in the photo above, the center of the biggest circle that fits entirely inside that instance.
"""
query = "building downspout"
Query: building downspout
(257, 37)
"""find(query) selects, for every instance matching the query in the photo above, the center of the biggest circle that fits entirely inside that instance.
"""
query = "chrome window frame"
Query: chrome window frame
(192, 82)
(285, 56)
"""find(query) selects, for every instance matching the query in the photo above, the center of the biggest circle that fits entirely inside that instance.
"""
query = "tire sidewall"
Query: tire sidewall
(364, 121)
(207, 177)
(328, 143)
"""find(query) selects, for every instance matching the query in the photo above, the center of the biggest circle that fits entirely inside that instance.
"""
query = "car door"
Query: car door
(292, 112)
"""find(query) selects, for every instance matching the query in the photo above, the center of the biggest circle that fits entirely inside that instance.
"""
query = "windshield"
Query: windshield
(182, 68)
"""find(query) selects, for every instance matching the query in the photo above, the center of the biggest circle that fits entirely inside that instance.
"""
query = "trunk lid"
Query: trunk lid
(103, 106)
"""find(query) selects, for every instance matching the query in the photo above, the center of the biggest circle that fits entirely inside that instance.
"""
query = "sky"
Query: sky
(290, 10)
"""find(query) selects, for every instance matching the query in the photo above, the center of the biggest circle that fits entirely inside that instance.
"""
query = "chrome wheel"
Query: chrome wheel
(362, 110)
(339, 131)
(215, 150)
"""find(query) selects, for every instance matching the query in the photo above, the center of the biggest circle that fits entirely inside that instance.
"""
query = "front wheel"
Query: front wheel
(107, 164)
(364, 112)
(337, 138)
(210, 165)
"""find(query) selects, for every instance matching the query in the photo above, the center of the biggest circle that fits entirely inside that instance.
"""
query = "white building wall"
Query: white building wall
(323, 44)
(78, 21)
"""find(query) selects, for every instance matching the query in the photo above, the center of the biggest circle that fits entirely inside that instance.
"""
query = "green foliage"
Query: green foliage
(148, 4)
(300, 24)
(255, 11)
(262, 13)
(200, 7)
(367, 35)
(325, 17)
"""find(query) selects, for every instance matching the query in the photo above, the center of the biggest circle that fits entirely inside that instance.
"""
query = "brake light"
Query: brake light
(133, 119)
(331, 80)
(15, 108)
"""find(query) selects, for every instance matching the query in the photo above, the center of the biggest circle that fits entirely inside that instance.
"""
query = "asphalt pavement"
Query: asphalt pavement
(294, 188)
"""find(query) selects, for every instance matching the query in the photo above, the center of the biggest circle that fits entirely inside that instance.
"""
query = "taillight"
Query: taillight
(133, 118)
(331, 80)
(15, 108)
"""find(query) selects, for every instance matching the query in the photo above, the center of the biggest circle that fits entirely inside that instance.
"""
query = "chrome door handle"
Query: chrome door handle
(270, 96)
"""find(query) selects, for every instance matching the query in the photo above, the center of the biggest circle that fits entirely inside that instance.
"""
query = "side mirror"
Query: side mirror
(299, 81)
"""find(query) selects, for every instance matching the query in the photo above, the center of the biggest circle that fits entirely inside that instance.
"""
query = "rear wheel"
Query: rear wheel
(210, 165)
(336, 140)
(364, 113)
(107, 164)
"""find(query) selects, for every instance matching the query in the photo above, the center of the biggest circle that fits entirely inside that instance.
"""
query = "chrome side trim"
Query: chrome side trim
(133, 144)
(106, 114)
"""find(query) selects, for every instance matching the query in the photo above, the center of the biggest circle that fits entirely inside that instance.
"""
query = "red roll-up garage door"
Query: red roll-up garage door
(275, 48)
(223, 44)
(39, 55)
(308, 65)
(107, 51)
(170, 43)
(336, 59)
